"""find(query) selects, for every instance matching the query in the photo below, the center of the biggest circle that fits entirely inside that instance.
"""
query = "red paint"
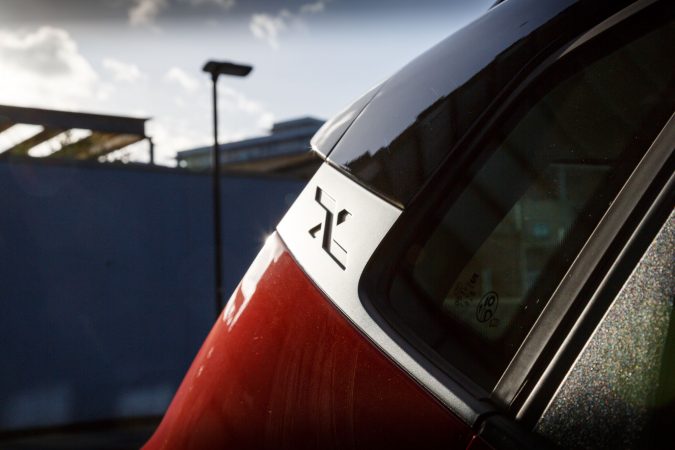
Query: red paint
(282, 368)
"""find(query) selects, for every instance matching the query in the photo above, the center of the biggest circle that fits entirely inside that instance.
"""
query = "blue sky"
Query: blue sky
(143, 58)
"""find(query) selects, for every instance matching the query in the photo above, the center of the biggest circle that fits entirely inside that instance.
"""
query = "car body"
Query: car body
(484, 260)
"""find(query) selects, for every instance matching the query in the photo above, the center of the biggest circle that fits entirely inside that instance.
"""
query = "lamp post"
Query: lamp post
(215, 69)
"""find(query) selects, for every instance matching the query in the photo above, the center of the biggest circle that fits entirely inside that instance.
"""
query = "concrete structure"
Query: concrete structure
(285, 151)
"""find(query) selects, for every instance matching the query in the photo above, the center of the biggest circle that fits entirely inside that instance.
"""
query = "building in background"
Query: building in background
(285, 151)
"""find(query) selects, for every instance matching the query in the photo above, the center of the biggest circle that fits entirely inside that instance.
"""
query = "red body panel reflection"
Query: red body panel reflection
(282, 368)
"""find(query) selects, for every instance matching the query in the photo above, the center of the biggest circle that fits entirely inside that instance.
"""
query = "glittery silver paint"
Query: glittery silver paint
(604, 399)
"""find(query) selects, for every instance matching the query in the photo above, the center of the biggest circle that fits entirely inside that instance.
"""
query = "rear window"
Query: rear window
(476, 276)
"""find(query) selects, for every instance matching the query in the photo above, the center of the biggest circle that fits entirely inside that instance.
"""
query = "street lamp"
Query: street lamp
(217, 68)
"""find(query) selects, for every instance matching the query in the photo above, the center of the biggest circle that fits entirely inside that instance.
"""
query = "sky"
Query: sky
(143, 58)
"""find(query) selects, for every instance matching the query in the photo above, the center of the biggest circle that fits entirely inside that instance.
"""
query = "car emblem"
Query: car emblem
(332, 219)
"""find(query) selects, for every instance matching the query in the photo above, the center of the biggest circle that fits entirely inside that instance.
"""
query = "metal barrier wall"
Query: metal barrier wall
(106, 283)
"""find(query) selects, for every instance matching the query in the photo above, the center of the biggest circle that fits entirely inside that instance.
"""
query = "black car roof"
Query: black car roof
(441, 94)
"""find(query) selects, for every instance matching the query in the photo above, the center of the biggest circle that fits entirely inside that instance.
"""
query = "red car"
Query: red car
(486, 259)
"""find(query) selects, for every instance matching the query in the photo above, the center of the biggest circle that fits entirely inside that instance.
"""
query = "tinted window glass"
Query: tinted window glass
(468, 290)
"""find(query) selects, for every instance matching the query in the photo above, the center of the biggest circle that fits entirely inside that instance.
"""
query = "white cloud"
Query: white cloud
(233, 100)
(144, 12)
(265, 121)
(45, 68)
(225, 4)
(190, 126)
(179, 76)
(313, 8)
(48, 50)
(239, 117)
(268, 27)
(122, 71)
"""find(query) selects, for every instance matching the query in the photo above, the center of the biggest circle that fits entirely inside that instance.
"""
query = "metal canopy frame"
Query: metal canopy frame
(109, 133)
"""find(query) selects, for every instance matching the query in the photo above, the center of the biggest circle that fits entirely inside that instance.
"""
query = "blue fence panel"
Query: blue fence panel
(106, 283)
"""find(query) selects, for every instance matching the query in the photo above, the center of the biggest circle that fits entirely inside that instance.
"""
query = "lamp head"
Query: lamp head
(216, 68)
